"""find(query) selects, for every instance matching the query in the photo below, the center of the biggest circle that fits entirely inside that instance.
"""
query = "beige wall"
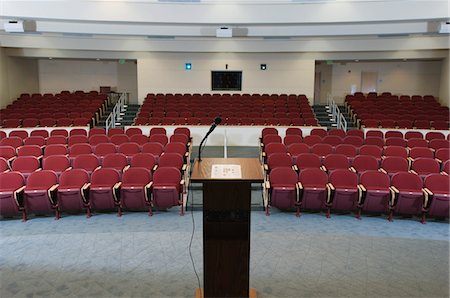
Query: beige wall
(4, 86)
(444, 94)
(286, 73)
(127, 79)
(18, 75)
(72, 75)
(403, 77)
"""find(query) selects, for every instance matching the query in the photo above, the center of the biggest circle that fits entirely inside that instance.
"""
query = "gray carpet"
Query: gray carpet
(141, 256)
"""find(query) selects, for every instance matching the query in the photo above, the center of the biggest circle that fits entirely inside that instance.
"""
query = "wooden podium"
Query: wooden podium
(226, 226)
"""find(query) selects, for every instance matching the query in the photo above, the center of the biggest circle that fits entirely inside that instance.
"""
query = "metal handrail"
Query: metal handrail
(117, 109)
(338, 116)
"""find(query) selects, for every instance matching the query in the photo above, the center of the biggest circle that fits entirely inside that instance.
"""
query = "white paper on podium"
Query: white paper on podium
(226, 172)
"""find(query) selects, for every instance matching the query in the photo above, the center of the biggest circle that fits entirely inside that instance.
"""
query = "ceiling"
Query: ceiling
(256, 25)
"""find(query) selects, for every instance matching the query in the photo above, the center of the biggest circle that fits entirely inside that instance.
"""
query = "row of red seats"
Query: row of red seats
(48, 122)
(171, 96)
(105, 189)
(370, 133)
(298, 121)
(404, 123)
(373, 192)
(251, 112)
(46, 115)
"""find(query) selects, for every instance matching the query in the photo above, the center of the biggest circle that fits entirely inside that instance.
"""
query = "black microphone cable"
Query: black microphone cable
(191, 192)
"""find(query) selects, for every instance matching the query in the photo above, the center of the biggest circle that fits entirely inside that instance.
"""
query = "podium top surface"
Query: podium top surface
(251, 169)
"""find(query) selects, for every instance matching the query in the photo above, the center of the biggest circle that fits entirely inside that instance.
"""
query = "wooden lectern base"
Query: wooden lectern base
(199, 293)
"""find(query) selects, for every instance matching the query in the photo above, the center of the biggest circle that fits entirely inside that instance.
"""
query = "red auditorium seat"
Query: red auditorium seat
(433, 135)
(116, 161)
(26, 165)
(35, 140)
(319, 132)
(135, 191)
(103, 149)
(343, 189)
(375, 133)
(87, 162)
(393, 134)
(313, 188)
(114, 131)
(167, 189)
(30, 150)
(19, 133)
(322, 150)
(374, 141)
(294, 131)
(143, 160)
(139, 139)
(159, 138)
(56, 163)
(118, 139)
(436, 144)
(282, 189)
(407, 196)
(312, 140)
(437, 195)
(39, 193)
(416, 143)
(374, 192)
(11, 194)
(133, 131)
(96, 131)
(59, 132)
(425, 166)
(96, 139)
(104, 190)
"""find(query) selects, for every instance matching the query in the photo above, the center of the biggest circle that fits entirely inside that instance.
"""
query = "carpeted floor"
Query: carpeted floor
(140, 256)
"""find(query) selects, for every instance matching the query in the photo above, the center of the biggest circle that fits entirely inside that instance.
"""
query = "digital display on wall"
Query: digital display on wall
(226, 80)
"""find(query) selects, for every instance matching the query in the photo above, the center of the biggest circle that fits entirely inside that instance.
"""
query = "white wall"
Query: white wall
(286, 73)
(127, 79)
(72, 75)
(444, 94)
(403, 77)
(18, 75)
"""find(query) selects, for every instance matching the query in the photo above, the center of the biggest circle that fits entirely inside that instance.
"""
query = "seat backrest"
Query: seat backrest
(158, 131)
(51, 140)
(11, 181)
(346, 149)
(396, 151)
(103, 149)
(355, 132)
(42, 179)
(136, 176)
(115, 160)
(394, 164)
(437, 183)
(434, 135)
(25, 164)
(353, 140)
(308, 160)
(437, 144)
(417, 152)
(374, 141)
(394, 141)
(105, 176)
(171, 160)
(423, 165)
(96, 131)
(114, 131)
(298, 148)
(129, 148)
(374, 133)
(167, 176)
(182, 130)
(118, 139)
(413, 135)
(74, 178)
(318, 132)
(270, 138)
(407, 181)
(333, 140)
(313, 177)
(89, 162)
(312, 140)
(282, 176)
(177, 147)
(77, 132)
(443, 154)
(159, 138)
(20, 133)
(11, 141)
(139, 139)
(322, 149)
(146, 160)
(55, 149)
(77, 139)
(35, 140)
(131, 131)
(342, 178)
(337, 132)
(56, 163)
(336, 161)
(373, 179)
(82, 148)
(179, 138)
(269, 131)
(294, 131)
(154, 148)
(29, 150)
(393, 134)
(39, 133)
(416, 142)
(98, 139)
(275, 148)
(279, 160)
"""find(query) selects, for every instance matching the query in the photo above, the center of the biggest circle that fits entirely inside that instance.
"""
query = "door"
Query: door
(317, 81)
(369, 81)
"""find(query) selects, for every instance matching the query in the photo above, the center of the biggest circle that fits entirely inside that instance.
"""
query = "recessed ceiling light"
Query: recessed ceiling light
(50, 58)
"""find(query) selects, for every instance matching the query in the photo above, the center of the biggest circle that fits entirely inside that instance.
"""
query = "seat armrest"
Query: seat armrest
(184, 167)
(266, 167)
(330, 192)
(116, 191)
(52, 194)
(323, 168)
(427, 197)
(154, 168)
(267, 184)
(18, 196)
(382, 170)
(148, 192)
(85, 192)
(125, 168)
(394, 195)
(362, 192)
(352, 169)
(413, 172)
(295, 168)
(438, 160)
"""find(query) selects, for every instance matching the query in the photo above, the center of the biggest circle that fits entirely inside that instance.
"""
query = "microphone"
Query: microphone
(216, 122)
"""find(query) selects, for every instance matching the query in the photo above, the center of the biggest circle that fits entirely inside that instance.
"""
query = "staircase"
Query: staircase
(127, 116)
(325, 118)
